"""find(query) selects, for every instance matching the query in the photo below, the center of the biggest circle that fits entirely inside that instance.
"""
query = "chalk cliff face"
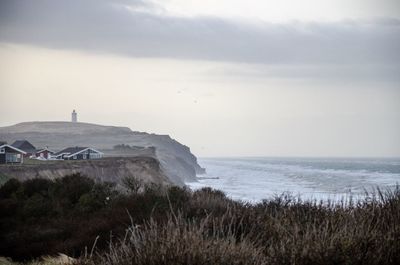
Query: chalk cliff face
(176, 160)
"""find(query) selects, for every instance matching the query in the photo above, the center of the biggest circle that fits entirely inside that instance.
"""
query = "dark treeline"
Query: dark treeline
(147, 224)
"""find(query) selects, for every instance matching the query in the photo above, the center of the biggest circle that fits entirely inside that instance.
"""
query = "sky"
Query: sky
(224, 77)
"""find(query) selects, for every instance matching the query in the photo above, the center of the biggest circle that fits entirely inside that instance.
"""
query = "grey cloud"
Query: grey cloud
(332, 73)
(136, 28)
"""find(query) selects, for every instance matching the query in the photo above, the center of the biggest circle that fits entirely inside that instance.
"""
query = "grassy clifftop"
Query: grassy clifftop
(111, 169)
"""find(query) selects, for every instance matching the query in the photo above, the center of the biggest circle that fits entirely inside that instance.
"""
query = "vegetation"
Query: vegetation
(33, 161)
(127, 147)
(133, 185)
(3, 179)
(97, 224)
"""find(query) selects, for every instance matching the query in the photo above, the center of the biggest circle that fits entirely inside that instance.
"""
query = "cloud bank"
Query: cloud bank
(140, 29)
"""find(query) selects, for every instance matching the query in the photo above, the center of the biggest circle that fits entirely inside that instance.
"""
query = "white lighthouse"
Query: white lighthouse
(74, 116)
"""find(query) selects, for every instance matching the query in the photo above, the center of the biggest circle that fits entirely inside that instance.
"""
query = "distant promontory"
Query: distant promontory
(176, 159)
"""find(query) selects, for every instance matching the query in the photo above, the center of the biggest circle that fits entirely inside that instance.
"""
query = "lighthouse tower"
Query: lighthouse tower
(74, 116)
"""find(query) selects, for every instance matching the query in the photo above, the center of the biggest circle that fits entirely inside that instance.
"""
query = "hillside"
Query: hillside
(178, 163)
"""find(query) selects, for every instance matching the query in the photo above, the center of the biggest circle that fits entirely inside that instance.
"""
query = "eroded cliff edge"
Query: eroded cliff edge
(108, 169)
(176, 159)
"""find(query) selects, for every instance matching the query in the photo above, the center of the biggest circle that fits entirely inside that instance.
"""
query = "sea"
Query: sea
(255, 179)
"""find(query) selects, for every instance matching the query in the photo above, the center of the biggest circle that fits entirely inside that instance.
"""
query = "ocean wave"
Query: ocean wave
(257, 179)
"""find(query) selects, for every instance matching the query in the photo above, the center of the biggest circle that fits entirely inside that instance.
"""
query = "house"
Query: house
(44, 153)
(25, 146)
(11, 154)
(78, 153)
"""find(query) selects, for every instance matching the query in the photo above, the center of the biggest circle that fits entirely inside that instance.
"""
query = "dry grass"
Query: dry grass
(161, 225)
(180, 242)
(281, 231)
(60, 259)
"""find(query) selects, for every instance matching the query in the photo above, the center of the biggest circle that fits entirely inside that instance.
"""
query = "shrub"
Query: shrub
(132, 184)
(36, 186)
(180, 242)
(179, 197)
(71, 188)
(10, 187)
(98, 197)
(284, 230)
(36, 206)
(173, 225)
(88, 202)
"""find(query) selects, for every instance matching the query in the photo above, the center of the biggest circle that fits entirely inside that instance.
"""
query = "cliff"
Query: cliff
(108, 169)
(176, 160)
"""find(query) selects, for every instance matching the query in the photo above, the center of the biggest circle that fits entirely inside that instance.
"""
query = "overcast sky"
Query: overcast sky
(225, 77)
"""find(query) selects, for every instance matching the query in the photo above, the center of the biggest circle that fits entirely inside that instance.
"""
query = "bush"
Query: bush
(10, 187)
(36, 186)
(178, 197)
(40, 216)
(173, 225)
(132, 184)
(98, 197)
(180, 242)
(70, 188)
(284, 230)
(36, 206)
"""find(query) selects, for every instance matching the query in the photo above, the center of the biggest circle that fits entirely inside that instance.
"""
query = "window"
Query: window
(12, 158)
(95, 156)
(74, 157)
(2, 150)
(84, 156)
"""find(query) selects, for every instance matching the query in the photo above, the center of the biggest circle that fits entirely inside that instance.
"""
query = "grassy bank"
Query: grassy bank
(97, 224)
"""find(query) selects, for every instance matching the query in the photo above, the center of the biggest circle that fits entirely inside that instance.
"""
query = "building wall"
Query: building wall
(89, 154)
(78, 157)
(15, 156)
(44, 154)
